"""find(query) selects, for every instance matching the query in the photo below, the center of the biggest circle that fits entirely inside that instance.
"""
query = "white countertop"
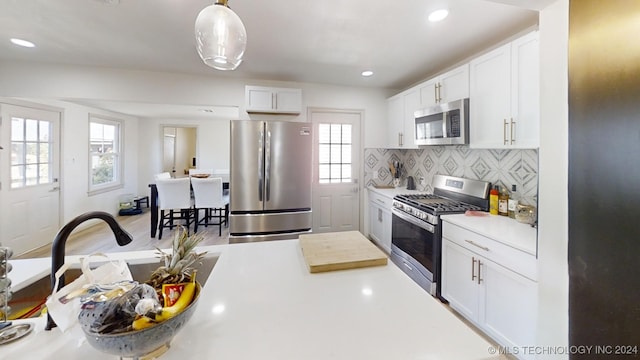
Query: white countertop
(390, 193)
(500, 228)
(261, 302)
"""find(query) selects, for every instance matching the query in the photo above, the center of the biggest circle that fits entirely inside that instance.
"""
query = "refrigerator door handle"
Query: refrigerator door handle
(260, 165)
(267, 161)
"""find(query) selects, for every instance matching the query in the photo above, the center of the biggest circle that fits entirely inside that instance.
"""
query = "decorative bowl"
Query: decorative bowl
(137, 343)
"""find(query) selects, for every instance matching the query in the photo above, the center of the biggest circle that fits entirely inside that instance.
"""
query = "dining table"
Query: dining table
(154, 201)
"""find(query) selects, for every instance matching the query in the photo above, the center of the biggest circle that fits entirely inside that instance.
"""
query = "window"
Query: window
(31, 152)
(105, 153)
(334, 153)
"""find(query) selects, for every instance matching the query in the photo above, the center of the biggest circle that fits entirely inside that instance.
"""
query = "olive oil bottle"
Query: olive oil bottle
(493, 201)
(503, 202)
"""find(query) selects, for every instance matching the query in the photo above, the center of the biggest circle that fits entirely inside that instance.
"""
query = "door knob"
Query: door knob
(54, 189)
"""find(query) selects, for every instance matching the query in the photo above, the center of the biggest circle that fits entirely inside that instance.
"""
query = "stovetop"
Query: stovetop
(435, 204)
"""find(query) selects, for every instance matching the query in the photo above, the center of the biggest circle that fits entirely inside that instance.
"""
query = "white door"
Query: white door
(29, 177)
(336, 176)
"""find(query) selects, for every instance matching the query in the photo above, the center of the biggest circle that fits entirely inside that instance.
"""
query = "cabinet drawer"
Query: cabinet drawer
(511, 258)
(380, 200)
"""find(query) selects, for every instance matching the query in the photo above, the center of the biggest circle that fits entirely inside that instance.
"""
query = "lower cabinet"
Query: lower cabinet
(380, 220)
(499, 301)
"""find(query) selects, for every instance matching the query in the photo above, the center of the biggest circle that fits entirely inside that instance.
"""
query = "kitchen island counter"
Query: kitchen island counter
(261, 302)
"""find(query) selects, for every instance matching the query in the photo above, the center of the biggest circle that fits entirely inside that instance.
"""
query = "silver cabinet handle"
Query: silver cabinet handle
(513, 136)
(479, 267)
(477, 245)
(400, 139)
(380, 201)
(473, 268)
(379, 215)
(504, 132)
(435, 92)
(439, 93)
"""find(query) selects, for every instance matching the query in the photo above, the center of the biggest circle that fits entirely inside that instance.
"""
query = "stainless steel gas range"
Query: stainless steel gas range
(416, 235)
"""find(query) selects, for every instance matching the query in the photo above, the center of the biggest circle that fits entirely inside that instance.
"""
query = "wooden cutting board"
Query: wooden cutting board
(340, 251)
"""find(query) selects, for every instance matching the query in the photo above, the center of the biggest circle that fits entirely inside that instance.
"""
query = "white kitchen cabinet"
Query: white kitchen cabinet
(380, 220)
(260, 99)
(504, 96)
(499, 300)
(400, 119)
(452, 85)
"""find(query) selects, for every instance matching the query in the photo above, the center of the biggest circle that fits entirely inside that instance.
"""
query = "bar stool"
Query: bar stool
(174, 196)
(208, 197)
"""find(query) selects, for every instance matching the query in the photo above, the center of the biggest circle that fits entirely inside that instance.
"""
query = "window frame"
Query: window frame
(118, 155)
(340, 164)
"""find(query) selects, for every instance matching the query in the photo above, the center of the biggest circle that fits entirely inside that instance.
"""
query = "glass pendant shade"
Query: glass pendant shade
(220, 37)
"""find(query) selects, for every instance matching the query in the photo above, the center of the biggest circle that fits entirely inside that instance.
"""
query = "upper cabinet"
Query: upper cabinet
(504, 96)
(400, 121)
(270, 100)
(452, 85)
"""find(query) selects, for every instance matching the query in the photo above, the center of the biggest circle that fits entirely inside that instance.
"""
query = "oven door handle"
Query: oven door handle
(419, 223)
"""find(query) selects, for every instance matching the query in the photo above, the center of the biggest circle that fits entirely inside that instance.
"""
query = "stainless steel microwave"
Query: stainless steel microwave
(443, 124)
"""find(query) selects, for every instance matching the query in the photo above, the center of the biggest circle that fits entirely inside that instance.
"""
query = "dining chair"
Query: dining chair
(174, 196)
(210, 199)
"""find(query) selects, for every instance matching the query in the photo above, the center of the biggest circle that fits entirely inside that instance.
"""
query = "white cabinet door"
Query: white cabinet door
(395, 121)
(380, 225)
(428, 93)
(260, 99)
(508, 306)
(376, 223)
(450, 86)
(489, 102)
(385, 240)
(504, 96)
(525, 92)
(288, 100)
(454, 85)
(459, 279)
(411, 104)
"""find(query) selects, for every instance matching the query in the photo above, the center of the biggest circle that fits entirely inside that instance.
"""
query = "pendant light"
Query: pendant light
(220, 36)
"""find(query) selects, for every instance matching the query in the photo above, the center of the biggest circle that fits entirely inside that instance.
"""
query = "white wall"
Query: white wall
(75, 160)
(553, 238)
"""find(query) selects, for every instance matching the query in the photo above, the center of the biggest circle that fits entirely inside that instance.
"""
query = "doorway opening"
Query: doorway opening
(179, 150)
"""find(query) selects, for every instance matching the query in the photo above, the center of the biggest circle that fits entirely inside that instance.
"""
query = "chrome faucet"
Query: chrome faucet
(58, 253)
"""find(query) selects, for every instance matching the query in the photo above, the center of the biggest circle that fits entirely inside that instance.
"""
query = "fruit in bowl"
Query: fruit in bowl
(146, 317)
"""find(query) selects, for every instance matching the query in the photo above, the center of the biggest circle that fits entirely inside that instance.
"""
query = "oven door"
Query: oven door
(414, 249)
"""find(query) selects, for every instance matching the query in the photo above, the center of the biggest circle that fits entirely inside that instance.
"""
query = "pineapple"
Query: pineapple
(178, 265)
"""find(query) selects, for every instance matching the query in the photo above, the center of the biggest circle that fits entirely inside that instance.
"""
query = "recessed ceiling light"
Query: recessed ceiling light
(367, 73)
(21, 42)
(438, 15)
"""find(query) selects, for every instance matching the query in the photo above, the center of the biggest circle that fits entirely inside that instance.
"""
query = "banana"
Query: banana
(188, 292)
(143, 322)
(183, 301)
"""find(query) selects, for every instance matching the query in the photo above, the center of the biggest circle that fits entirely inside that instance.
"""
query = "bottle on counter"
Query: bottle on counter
(503, 202)
(493, 200)
(513, 202)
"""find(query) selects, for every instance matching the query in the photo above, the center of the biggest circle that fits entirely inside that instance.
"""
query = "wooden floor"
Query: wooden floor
(99, 238)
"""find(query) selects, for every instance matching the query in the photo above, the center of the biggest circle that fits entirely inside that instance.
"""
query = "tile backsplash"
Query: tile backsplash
(501, 167)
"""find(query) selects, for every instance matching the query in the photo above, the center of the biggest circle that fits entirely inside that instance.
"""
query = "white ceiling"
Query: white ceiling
(297, 40)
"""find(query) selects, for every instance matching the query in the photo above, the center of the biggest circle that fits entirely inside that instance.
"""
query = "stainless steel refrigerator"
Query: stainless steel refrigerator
(270, 183)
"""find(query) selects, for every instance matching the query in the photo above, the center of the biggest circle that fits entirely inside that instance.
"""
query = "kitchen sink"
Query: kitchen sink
(28, 301)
